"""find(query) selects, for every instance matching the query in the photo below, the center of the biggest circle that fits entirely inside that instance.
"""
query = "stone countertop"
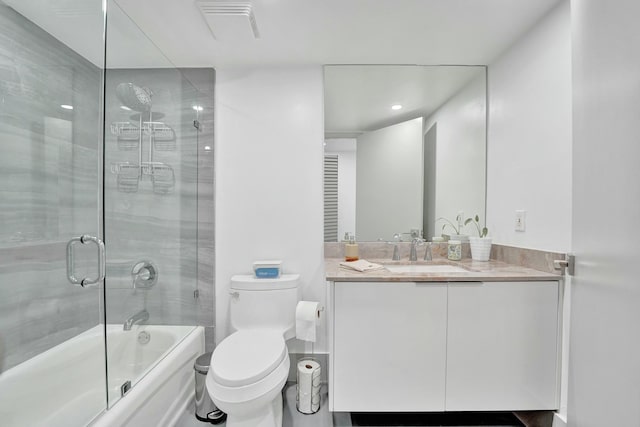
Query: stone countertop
(477, 271)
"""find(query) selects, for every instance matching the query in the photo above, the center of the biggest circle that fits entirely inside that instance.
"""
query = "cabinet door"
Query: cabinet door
(502, 347)
(389, 344)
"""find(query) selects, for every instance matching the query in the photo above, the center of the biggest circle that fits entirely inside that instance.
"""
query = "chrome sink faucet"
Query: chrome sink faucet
(139, 317)
(413, 256)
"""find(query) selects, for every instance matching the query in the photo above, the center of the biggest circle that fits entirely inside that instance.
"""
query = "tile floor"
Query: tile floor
(290, 416)
(323, 418)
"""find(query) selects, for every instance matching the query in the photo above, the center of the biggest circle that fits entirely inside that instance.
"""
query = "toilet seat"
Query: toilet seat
(247, 356)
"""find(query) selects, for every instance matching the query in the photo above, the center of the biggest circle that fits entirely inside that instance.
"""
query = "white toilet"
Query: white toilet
(250, 367)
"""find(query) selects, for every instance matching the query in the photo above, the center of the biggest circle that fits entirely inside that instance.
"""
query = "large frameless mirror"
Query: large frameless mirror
(405, 145)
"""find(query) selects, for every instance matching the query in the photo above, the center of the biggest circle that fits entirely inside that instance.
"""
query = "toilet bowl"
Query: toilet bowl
(247, 374)
(249, 368)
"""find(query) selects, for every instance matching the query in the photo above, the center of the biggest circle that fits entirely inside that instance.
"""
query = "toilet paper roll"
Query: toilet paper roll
(308, 397)
(307, 318)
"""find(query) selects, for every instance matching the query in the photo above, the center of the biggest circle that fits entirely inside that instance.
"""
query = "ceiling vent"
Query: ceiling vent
(229, 20)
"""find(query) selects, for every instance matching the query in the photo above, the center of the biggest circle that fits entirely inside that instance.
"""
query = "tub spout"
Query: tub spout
(139, 317)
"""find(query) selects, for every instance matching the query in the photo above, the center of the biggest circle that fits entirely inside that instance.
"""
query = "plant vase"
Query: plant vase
(464, 238)
(480, 248)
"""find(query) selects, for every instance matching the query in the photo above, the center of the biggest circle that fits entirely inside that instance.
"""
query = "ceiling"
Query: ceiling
(292, 32)
(167, 33)
(343, 31)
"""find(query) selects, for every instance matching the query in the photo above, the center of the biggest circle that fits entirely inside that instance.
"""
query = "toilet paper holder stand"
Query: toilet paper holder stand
(313, 384)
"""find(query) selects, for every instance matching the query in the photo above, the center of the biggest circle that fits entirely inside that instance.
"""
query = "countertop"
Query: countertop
(477, 271)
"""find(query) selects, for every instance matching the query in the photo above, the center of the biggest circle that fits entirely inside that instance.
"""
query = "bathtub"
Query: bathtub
(65, 386)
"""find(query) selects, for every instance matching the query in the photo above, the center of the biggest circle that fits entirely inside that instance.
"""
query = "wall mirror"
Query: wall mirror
(404, 146)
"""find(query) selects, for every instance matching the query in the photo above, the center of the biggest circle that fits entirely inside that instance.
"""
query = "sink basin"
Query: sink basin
(425, 268)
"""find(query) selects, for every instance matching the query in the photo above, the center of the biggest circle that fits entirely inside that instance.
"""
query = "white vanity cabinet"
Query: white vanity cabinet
(433, 346)
(388, 347)
(502, 346)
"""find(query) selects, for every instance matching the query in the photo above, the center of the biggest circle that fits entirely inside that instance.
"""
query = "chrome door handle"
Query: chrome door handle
(85, 239)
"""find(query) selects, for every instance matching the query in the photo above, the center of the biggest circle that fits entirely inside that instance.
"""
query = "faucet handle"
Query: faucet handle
(427, 253)
(396, 252)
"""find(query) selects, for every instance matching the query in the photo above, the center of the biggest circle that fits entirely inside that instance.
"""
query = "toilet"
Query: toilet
(249, 368)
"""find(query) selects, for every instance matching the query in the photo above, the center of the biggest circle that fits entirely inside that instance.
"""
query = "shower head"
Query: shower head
(135, 97)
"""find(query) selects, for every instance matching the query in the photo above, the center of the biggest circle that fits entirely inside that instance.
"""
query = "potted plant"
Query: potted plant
(456, 228)
(481, 245)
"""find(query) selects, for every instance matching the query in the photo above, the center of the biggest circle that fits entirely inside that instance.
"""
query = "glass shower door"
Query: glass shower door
(91, 150)
(52, 348)
(150, 203)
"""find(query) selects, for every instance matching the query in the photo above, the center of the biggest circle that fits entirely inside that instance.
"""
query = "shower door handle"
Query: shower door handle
(85, 281)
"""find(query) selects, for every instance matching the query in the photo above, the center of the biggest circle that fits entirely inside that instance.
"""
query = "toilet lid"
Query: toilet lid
(247, 356)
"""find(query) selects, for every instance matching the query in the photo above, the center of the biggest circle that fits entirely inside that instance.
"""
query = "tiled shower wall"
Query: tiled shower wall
(49, 192)
(164, 228)
(49, 175)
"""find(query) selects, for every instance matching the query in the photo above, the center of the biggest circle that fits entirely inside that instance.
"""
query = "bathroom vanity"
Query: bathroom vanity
(486, 339)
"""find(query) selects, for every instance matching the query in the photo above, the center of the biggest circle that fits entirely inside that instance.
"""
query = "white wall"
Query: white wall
(461, 154)
(530, 148)
(269, 143)
(389, 181)
(529, 139)
(345, 149)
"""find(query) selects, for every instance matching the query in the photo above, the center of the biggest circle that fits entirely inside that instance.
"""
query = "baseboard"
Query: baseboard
(559, 420)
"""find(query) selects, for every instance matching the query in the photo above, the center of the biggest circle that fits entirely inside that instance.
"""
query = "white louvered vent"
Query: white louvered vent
(331, 198)
(229, 20)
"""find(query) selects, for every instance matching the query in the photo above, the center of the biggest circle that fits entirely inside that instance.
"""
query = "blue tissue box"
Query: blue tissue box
(267, 269)
(267, 272)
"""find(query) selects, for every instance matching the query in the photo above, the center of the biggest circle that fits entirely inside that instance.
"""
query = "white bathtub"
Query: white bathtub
(65, 386)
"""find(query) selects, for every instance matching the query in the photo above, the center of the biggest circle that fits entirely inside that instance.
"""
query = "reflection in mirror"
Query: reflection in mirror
(404, 146)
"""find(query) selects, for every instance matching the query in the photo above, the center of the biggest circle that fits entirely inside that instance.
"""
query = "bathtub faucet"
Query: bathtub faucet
(139, 317)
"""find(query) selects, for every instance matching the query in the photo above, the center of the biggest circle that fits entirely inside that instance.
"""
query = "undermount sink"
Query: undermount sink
(425, 268)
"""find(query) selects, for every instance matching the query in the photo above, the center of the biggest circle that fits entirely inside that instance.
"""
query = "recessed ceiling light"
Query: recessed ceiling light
(207, 148)
(125, 108)
(198, 108)
(66, 106)
(396, 106)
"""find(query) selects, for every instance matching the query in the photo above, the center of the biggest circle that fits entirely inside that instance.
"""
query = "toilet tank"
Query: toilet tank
(264, 303)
